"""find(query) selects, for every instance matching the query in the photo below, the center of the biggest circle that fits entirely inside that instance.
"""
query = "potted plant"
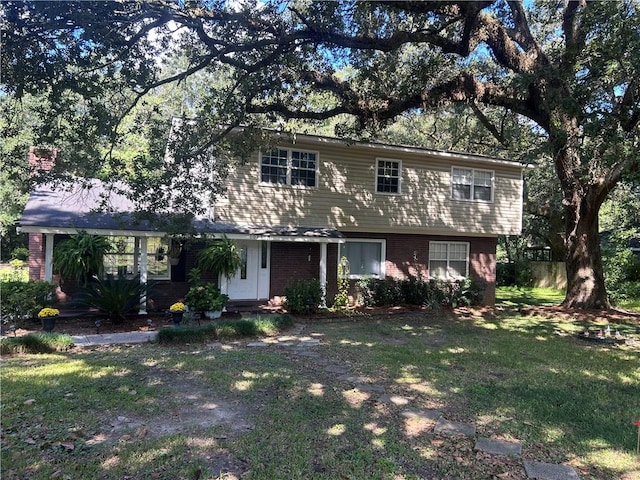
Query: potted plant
(81, 257)
(217, 302)
(206, 298)
(221, 257)
(48, 317)
(177, 312)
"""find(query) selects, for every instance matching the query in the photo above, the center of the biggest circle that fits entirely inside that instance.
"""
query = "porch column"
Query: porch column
(143, 275)
(48, 257)
(323, 274)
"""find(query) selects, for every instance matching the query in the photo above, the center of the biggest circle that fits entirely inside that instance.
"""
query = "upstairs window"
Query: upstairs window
(448, 259)
(388, 176)
(472, 184)
(289, 167)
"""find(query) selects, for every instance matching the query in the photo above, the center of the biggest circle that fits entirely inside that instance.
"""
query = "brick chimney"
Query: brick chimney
(42, 159)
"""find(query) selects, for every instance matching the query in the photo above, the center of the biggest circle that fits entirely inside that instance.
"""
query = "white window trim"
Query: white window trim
(375, 179)
(473, 171)
(383, 256)
(289, 168)
(137, 254)
(448, 276)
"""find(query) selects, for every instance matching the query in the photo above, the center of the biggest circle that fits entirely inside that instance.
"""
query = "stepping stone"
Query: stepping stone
(352, 378)
(422, 414)
(395, 399)
(310, 341)
(287, 338)
(454, 428)
(549, 471)
(337, 369)
(498, 447)
(365, 387)
(257, 344)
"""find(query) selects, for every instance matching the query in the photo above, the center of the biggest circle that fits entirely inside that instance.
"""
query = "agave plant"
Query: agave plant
(113, 296)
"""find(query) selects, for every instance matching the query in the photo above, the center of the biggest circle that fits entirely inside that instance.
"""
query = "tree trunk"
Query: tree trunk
(583, 193)
(585, 275)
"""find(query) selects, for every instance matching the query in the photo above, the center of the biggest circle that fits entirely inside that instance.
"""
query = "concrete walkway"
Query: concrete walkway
(111, 338)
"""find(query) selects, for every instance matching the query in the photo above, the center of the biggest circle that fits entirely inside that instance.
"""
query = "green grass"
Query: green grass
(36, 343)
(514, 377)
(632, 305)
(514, 296)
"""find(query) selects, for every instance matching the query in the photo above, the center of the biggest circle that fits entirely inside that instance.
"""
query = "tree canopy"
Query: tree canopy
(567, 73)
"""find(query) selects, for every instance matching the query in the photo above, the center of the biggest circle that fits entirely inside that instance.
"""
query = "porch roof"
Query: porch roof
(83, 207)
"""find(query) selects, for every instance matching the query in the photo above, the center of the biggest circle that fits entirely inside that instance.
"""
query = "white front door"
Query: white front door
(251, 281)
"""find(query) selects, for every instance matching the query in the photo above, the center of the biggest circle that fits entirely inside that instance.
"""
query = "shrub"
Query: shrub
(225, 329)
(505, 274)
(20, 253)
(200, 333)
(379, 292)
(113, 296)
(23, 300)
(36, 343)
(17, 273)
(303, 296)
(414, 291)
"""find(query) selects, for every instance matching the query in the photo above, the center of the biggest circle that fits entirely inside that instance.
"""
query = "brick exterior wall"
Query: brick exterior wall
(36, 256)
(292, 261)
(407, 255)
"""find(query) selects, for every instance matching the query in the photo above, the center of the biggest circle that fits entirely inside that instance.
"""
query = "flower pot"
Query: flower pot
(213, 314)
(174, 261)
(48, 323)
(177, 317)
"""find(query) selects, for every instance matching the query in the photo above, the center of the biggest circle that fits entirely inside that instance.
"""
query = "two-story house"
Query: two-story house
(295, 210)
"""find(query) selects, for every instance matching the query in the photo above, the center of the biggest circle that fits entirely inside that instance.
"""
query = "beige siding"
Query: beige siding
(345, 198)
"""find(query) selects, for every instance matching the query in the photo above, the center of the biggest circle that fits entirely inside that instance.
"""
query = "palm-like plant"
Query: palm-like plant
(81, 256)
(113, 296)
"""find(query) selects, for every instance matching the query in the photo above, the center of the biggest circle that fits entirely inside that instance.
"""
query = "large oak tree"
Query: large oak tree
(566, 71)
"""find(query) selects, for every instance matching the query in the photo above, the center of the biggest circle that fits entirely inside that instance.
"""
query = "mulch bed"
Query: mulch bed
(84, 324)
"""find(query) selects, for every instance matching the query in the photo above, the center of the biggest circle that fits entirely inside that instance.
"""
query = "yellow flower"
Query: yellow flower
(48, 312)
(177, 307)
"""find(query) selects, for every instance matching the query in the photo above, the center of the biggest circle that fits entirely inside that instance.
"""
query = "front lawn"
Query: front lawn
(230, 410)
(516, 296)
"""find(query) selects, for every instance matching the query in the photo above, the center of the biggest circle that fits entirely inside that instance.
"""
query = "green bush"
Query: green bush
(414, 291)
(303, 296)
(113, 296)
(36, 343)
(17, 273)
(20, 253)
(225, 329)
(622, 267)
(23, 300)
(376, 292)
(200, 333)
